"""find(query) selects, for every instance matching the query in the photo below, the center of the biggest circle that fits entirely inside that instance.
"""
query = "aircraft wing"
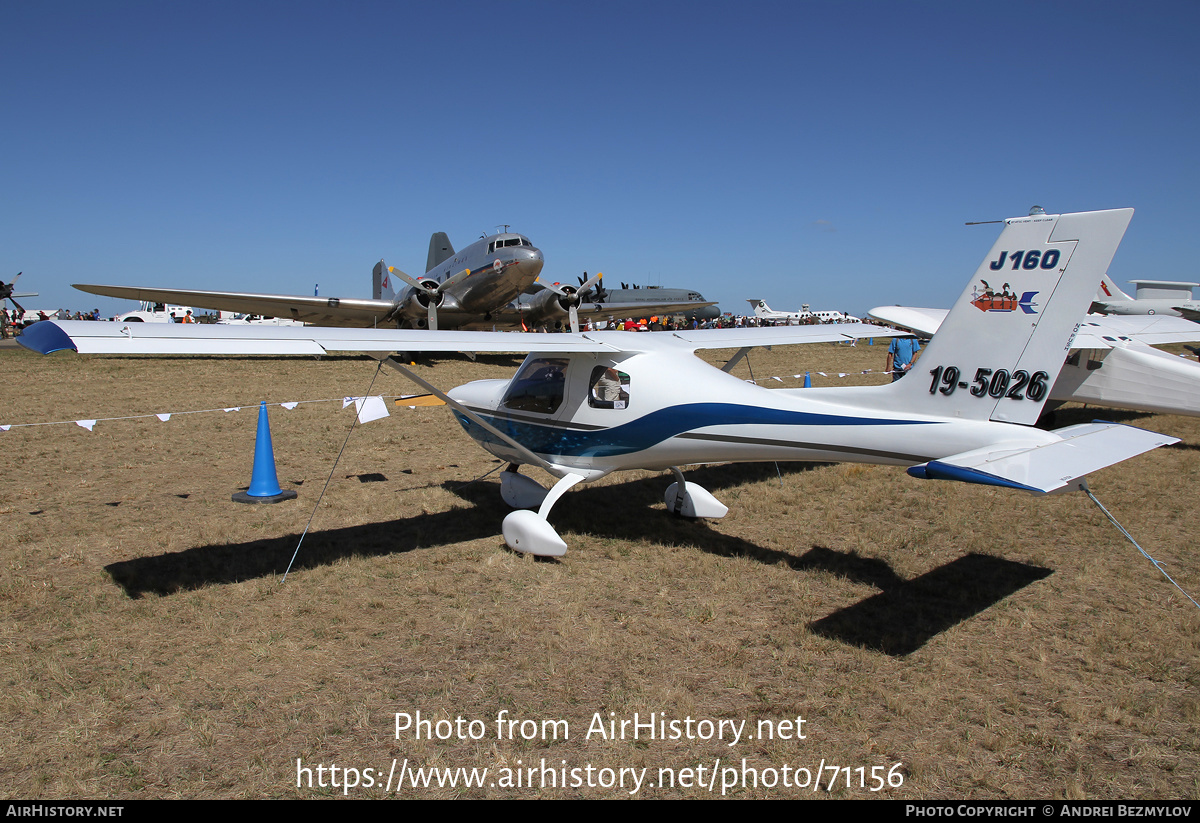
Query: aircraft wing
(1096, 331)
(614, 311)
(515, 313)
(778, 335)
(320, 311)
(923, 321)
(89, 337)
(1105, 331)
(1051, 467)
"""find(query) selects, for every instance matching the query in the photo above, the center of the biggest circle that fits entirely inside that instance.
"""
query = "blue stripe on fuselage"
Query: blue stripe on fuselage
(653, 428)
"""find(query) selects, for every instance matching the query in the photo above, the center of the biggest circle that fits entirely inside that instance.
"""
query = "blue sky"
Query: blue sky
(826, 153)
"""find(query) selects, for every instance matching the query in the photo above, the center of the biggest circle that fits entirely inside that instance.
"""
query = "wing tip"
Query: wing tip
(45, 337)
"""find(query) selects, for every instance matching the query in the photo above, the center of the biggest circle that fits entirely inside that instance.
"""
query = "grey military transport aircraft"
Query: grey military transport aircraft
(476, 288)
(1172, 298)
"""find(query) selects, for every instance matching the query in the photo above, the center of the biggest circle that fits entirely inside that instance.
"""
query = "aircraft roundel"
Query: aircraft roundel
(497, 265)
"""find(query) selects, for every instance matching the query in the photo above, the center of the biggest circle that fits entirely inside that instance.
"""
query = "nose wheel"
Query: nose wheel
(528, 531)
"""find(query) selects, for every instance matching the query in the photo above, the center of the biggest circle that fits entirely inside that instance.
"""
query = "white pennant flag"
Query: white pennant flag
(233, 408)
(370, 408)
(163, 417)
(5, 428)
(780, 379)
(87, 424)
(290, 406)
(346, 401)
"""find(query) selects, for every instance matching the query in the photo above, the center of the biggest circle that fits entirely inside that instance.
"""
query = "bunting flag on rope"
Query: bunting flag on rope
(370, 408)
(367, 409)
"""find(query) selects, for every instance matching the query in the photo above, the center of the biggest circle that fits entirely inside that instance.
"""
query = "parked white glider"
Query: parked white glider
(1112, 362)
(584, 405)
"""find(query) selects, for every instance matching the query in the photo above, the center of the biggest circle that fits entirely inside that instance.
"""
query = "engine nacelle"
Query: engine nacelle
(550, 309)
(413, 311)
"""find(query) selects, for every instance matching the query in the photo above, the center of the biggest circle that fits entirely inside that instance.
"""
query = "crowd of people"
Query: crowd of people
(725, 321)
(12, 320)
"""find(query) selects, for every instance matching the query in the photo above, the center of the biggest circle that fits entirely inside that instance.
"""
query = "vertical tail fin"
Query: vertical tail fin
(439, 250)
(999, 350)
(1108, 291)
(381, 283)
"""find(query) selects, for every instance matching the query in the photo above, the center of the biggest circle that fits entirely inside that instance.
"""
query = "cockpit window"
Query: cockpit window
(608, 388)
(539, 386)
(513, 241)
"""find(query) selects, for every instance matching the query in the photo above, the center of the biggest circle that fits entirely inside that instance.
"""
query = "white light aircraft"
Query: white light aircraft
(480, 287)
(584, 405)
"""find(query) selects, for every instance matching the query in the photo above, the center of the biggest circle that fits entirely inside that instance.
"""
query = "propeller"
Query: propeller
(601, 292)
(429, 292)
(6, 292)
(569, 298)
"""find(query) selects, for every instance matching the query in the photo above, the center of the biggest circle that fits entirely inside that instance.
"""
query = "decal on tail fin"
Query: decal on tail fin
(1108, 291)
(999, 350)
(383, 282)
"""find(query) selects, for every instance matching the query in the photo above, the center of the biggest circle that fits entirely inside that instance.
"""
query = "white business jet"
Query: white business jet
(584, 405)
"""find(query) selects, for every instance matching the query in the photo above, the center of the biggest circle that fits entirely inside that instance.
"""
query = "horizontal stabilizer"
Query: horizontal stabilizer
(1048, 468)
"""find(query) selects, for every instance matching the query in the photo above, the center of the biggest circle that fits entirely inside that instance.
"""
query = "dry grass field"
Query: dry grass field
(993, 644)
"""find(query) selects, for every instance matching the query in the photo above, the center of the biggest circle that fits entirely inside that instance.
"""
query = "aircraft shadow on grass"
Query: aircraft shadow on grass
(897, 621)
(909, 613)
(603, 510)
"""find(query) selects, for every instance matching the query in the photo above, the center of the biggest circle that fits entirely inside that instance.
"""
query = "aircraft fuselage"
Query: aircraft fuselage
(592, 414)
(502, 267)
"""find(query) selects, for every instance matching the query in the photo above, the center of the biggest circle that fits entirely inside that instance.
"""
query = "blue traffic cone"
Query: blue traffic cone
(264, 483)
(807, 380)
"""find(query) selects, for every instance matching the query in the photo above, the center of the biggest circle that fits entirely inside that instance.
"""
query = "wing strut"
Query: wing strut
(1084, 486)
(529, 456)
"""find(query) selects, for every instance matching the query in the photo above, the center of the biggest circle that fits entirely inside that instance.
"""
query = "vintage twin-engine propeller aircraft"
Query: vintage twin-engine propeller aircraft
(481, 287)
(466, 286)
(584, 405)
